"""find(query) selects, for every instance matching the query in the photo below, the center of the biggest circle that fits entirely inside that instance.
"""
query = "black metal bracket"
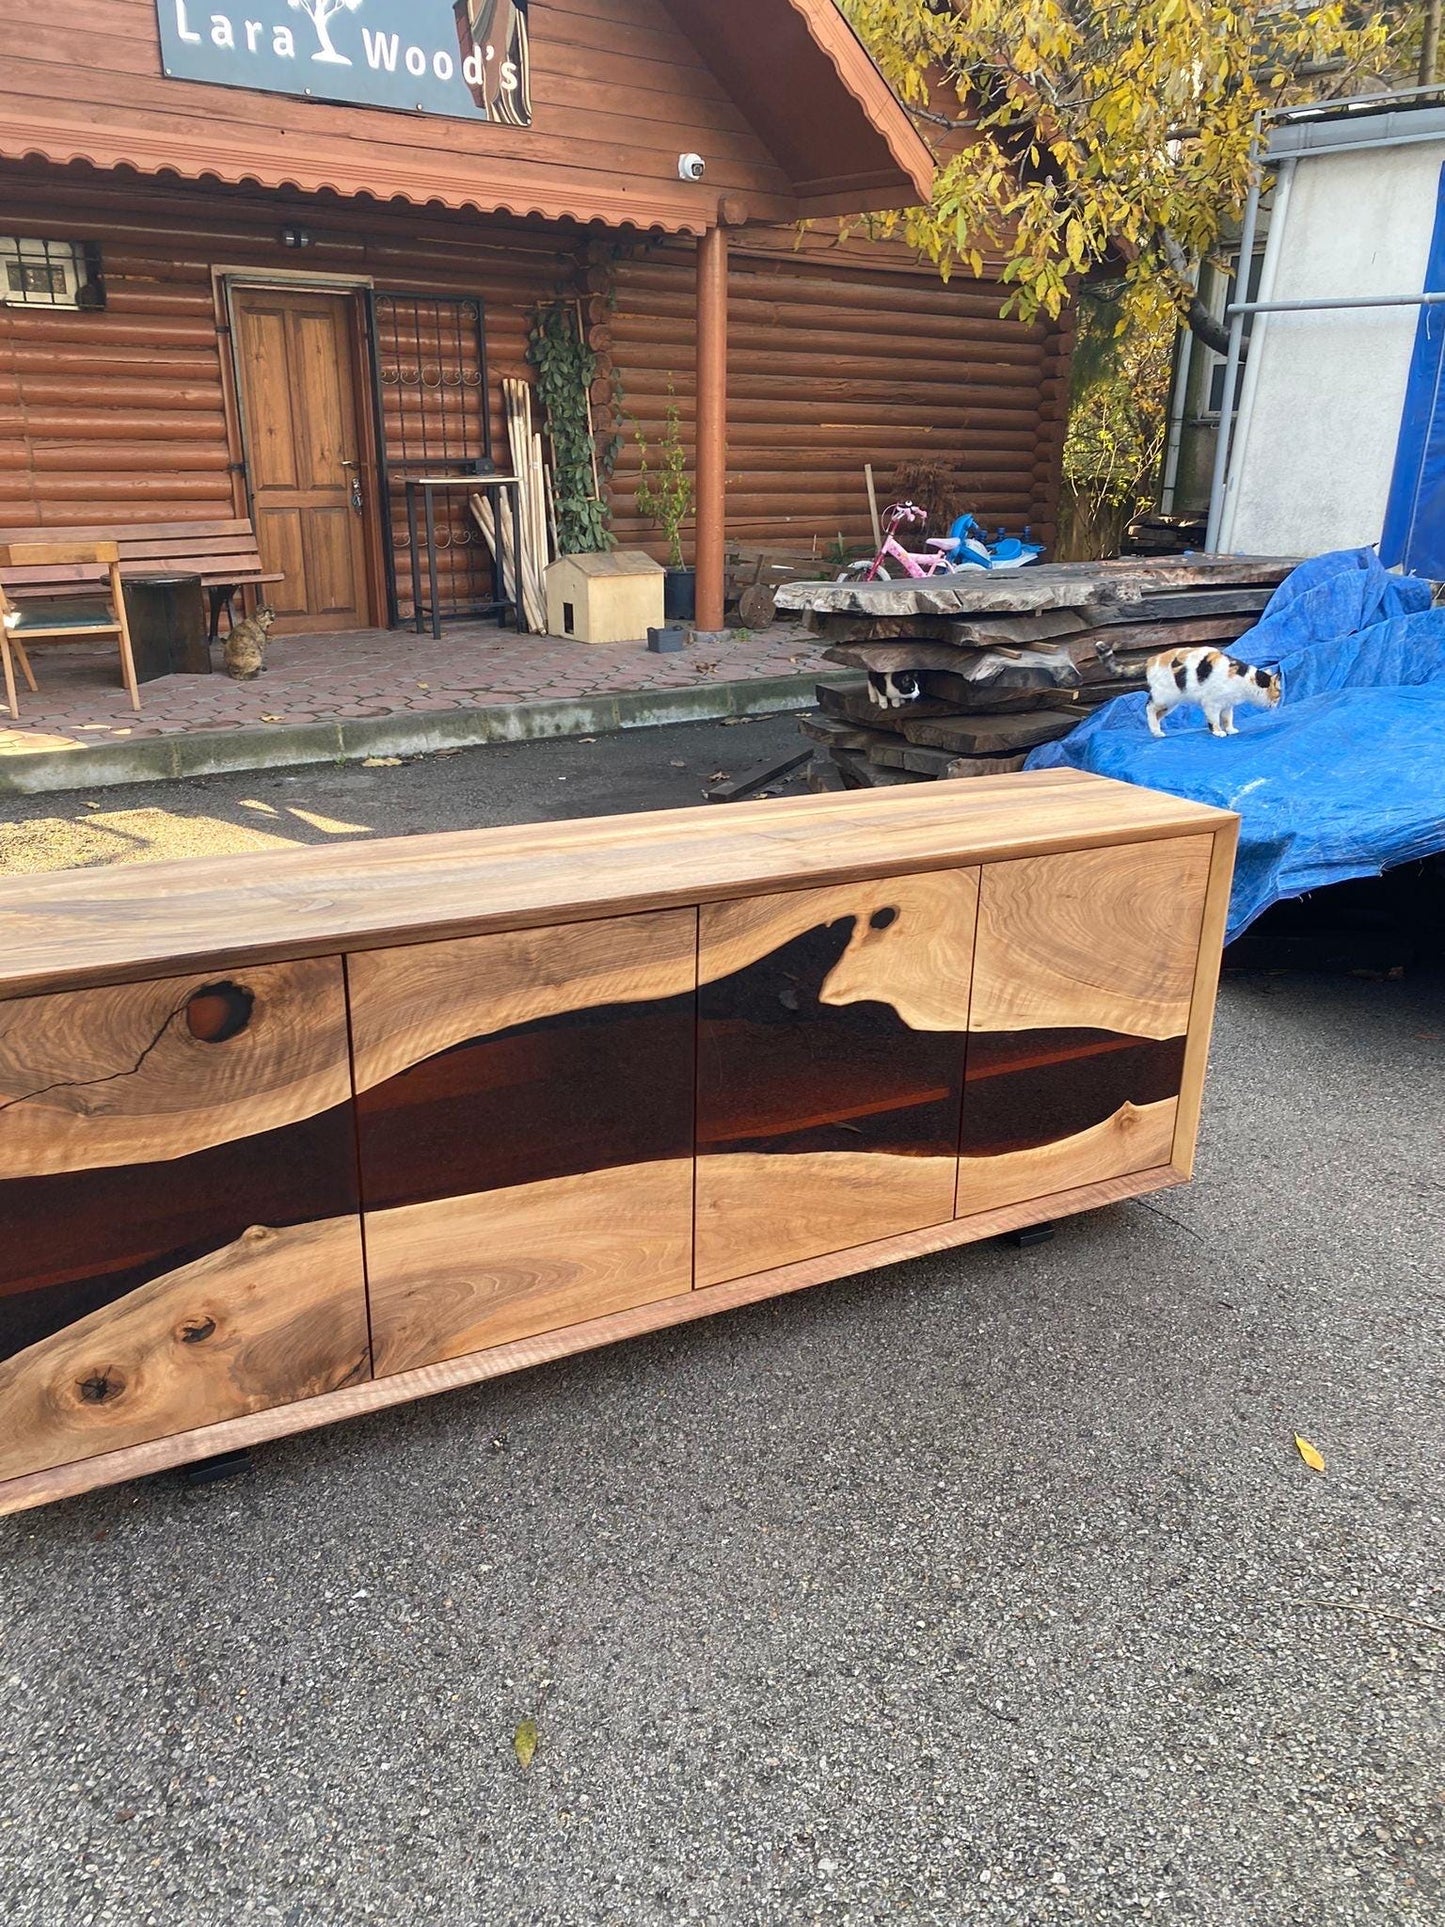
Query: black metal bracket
(1027, 1236)
(225, 1465)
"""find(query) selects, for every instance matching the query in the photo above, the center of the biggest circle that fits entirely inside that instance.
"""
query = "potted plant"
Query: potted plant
(664, 496)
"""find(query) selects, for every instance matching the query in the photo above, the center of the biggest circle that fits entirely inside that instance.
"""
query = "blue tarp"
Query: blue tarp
(1346, 778)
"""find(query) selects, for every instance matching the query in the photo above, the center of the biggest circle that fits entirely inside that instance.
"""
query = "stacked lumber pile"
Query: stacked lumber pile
(1005, 661)
(538, 537)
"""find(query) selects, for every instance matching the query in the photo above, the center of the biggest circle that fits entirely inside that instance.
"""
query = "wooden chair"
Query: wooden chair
(75, 619)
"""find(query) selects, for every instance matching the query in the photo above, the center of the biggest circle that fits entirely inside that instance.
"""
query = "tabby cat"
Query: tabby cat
(246, 646)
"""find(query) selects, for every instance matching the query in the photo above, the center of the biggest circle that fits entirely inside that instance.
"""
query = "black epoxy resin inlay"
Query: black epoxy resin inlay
(779, 1071)
(1032, 1087)
(81, 1239)
(585, 1091)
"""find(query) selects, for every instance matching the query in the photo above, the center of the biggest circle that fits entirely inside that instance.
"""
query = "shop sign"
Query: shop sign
(467, 58)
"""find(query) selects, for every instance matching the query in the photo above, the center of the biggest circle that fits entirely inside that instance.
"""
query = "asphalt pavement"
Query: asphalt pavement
(988, 1588)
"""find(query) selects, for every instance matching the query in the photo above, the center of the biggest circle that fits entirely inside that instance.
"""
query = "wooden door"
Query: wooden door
(525, 1107)
(830, 1067)
(182, 1237)
(1082, 990)
(297, 371)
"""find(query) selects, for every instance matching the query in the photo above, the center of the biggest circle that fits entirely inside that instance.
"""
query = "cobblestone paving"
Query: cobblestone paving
(379, 672)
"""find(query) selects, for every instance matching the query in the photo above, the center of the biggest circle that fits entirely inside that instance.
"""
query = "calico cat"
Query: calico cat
(892, 688)
(246, 646)
(1218, 683)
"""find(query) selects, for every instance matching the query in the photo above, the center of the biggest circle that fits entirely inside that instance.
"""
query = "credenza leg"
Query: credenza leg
(225, 1465)
(1028, 1236)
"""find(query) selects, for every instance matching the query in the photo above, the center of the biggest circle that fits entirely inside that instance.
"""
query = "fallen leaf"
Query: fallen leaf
(92, 806)
(273, 719)
(1312, 1457)
(677, 763)
(423, 685)
(524, 1743)
(380, 762)
(587, 739)
(718, 776)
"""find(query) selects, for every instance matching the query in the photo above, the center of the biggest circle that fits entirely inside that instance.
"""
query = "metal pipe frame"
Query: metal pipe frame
(1228, 398)
(1336, 301)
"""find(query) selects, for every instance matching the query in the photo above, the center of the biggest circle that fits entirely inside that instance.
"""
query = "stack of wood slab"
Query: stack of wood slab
(1005, 661)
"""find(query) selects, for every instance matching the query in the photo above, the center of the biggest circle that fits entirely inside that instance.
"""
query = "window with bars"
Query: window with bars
(49, 274)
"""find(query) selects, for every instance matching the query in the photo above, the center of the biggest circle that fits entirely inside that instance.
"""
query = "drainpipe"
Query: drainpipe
(712, 424)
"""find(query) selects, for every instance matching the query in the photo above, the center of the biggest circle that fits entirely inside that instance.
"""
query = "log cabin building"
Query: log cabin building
(267, 257)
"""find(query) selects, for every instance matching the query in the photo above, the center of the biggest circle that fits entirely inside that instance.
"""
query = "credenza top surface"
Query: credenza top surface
(69, 928)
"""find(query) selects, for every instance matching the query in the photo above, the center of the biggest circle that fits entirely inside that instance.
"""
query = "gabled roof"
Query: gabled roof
(790, 64)
(779, 95)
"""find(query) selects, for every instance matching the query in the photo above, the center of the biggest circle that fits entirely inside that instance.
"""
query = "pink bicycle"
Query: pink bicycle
(903, 515)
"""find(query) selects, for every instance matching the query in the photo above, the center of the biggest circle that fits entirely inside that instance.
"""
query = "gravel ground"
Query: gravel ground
(988, 1588)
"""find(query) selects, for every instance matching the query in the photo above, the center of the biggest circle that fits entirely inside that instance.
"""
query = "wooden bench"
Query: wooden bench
(223, 554)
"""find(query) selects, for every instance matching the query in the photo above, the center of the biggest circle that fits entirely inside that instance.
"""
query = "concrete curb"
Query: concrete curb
(221, 752)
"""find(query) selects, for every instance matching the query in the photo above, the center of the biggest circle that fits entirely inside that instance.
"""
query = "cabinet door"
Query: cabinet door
(1083, 978)
(830, 1067)
(182, 1242)
(525, 1120)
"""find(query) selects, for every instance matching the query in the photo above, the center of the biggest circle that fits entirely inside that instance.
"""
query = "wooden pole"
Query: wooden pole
(1430, 43)
(712, 424)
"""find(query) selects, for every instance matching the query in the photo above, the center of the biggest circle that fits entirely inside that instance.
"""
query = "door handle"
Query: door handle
(357, 499)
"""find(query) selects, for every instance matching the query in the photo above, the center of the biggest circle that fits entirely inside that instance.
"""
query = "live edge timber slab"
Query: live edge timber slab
(288, 1138)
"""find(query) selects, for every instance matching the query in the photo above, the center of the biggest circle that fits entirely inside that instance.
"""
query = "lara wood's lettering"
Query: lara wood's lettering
(470, 59)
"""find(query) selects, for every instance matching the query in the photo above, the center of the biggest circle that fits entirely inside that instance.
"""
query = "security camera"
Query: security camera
(691, 167)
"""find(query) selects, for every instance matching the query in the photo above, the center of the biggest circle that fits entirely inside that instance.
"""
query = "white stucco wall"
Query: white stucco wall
(1322, 395)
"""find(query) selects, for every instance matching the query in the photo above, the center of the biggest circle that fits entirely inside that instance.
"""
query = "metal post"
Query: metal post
(1236, 338)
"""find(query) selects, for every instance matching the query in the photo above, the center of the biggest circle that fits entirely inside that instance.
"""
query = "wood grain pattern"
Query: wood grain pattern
(1206, 989)
(1102, 939)
(59, 931)
(756, 1211)
(417, 1001)
(276, 1316)
(916, 962)
(1136, 1138)
(139, 1073)
(796, 118)
(43, 1488)
(460, 1274)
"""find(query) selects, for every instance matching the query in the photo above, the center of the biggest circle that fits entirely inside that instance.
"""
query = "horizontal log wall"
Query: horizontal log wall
(838, 356)
(120, 414)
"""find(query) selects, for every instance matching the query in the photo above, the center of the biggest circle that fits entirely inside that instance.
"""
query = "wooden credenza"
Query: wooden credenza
(291, 1137)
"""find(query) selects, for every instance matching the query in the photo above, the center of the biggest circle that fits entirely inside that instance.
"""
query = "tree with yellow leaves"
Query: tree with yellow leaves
(1078, 131)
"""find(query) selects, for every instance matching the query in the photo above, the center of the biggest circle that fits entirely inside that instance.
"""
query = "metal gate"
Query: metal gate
(429, 361)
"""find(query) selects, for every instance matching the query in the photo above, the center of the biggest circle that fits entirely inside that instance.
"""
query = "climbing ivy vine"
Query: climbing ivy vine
(566, 369)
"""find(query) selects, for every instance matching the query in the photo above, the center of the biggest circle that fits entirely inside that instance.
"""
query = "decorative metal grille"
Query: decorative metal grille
(49, 274)
(429, 355)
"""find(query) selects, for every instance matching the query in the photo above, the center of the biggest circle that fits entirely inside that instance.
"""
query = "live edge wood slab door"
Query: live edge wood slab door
(1083, 987)
(297, 375)
(182, 1241)
(831, 1050)
(525, 1113)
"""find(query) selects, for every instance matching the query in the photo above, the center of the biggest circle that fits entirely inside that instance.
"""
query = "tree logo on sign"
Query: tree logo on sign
(320, 13)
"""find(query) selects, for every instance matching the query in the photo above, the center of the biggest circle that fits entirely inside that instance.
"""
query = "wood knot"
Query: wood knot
(195, 1331)
(218, 1012)
(100, 1388)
